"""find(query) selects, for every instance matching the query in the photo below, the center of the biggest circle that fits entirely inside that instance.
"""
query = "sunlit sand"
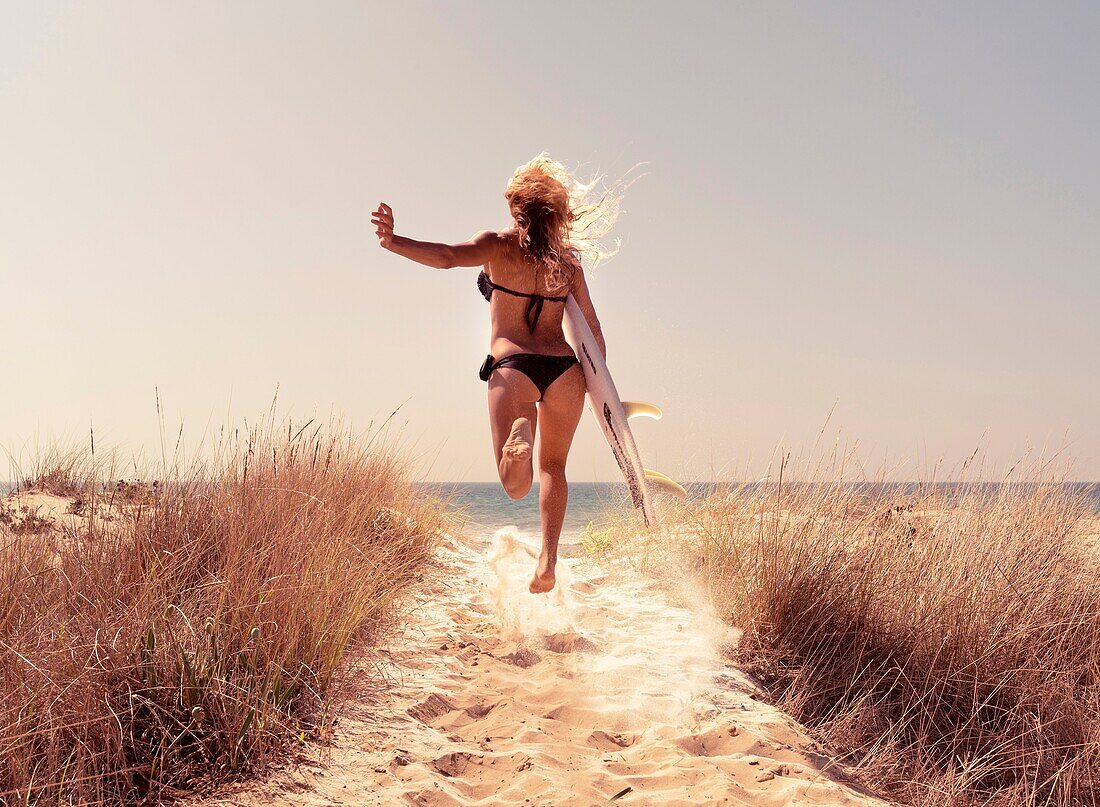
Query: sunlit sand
(501, 697)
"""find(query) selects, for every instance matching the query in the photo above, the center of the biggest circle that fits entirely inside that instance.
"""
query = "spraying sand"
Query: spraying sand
(501, 697)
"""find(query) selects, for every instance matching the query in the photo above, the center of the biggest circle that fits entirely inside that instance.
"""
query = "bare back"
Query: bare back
(509, 267)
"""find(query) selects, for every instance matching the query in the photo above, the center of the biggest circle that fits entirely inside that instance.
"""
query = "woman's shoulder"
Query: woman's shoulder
(500, 239)
(572, 259)
(508, 246)
(495, 245)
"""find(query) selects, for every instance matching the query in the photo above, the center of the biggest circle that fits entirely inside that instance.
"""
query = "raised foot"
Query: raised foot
(518, 444)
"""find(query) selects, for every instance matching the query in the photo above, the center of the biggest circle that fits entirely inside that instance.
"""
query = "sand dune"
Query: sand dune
(500, 697)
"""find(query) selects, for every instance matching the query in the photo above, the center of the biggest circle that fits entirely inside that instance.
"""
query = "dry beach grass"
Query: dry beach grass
(161, 637)
(941, 641)
(944, 639)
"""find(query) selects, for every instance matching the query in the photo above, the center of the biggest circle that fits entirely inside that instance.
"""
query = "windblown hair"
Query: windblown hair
(562, 220)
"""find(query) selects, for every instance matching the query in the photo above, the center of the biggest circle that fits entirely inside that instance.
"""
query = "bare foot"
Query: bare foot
(517, 472)
(518, 444)
(544, 579)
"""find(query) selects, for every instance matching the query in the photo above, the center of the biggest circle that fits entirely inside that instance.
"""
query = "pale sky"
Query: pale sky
(893, 208)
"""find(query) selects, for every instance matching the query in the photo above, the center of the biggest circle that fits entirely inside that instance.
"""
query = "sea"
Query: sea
(484, 507)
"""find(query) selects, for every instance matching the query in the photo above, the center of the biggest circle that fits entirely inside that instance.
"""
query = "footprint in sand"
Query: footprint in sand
(430, 709)
(610, 741)
(522, 658)
(569, 641)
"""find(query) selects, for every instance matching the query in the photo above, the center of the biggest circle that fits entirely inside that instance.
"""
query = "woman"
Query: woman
(536, 385)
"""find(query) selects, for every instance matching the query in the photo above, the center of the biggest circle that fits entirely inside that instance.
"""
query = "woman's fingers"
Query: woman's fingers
(382, 219)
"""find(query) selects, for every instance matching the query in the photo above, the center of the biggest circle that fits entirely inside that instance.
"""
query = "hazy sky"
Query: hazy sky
(893, 208)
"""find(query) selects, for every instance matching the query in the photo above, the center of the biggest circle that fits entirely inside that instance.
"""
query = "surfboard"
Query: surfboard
(609, 410)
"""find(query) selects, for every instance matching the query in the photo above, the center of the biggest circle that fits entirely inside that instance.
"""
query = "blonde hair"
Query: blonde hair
(562, 220)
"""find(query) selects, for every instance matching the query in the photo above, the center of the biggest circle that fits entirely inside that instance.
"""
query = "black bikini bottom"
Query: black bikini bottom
(542, 370)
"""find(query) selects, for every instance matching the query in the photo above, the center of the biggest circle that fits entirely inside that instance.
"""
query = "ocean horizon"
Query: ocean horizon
(483, 508)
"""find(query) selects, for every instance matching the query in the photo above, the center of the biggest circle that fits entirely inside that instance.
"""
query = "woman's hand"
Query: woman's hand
(382, 219)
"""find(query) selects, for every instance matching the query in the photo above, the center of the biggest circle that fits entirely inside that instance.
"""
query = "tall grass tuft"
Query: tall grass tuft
(944, 639)
(194, 632)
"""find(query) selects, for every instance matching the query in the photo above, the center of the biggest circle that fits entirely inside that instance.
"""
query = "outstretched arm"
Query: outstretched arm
(478, 251)
(584, 300)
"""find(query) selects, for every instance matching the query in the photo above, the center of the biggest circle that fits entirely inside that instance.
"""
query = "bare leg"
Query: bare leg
(560, 411)
(513, 418)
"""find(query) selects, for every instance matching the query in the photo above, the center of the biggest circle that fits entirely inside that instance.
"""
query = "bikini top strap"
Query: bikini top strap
(487, 287)
(534, 304)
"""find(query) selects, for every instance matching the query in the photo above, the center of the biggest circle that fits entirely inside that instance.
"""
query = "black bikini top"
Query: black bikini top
(534, 304)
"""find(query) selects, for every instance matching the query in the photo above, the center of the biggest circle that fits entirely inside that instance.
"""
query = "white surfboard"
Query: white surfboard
(608, 408)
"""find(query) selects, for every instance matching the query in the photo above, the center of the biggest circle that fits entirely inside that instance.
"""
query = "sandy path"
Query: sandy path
(501, 698)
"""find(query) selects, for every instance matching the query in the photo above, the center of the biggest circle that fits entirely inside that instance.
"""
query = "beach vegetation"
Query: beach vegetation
(942, 641)
(160, 638)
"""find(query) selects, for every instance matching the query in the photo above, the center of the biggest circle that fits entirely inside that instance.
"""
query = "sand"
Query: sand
(39, 506)
(501, 697)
